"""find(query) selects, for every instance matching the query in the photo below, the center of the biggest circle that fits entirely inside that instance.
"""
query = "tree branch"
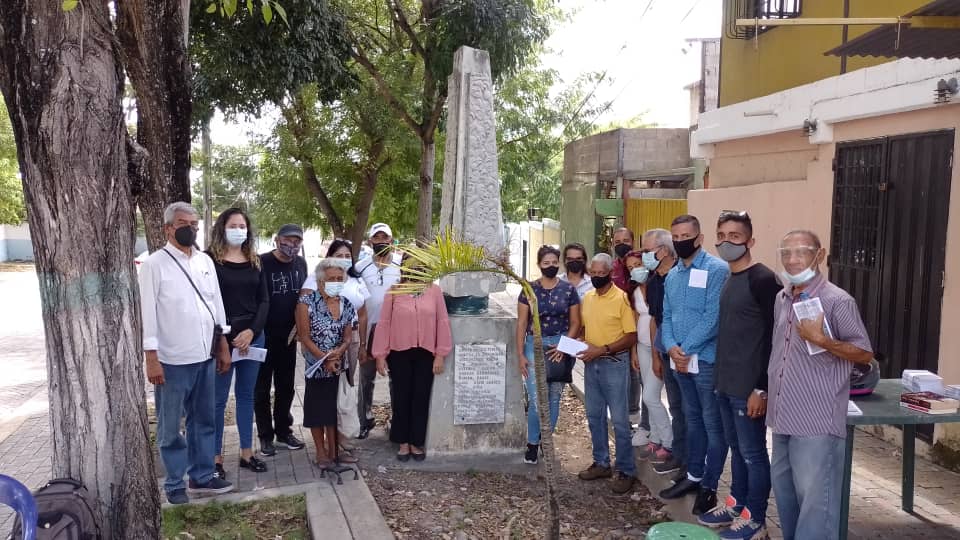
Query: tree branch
(400, 18)
(326, 207)
(386, 92)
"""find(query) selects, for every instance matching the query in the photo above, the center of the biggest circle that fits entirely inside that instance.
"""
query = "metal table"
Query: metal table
(883, 408)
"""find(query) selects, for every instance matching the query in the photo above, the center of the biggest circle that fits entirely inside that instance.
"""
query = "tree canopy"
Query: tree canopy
(12, 210)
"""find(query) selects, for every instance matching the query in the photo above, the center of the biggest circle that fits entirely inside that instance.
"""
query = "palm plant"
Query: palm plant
(448, 255)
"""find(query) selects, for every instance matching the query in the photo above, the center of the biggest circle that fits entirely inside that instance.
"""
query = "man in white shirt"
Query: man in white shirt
(379, 272)
(181, 305)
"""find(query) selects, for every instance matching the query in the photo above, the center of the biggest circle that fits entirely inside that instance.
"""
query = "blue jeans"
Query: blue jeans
(247, 371)
(186, 389)
(554, 390)
(807, 474)
(674, 403)
(706, 447)
(749, 463)
(607, 384)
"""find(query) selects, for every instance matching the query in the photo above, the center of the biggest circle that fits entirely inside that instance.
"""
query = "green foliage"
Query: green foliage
(69, 5)
(228, 8)
(241, 63)
(233, 174)
(12, 210)
(280, 517)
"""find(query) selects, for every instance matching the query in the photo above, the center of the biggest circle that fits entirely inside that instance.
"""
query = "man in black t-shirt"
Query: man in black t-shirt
(743, 354)
(285, 271)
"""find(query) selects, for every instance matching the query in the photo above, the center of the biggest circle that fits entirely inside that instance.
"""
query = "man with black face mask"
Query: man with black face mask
(285, 272)
(691, 310)
(181, 308)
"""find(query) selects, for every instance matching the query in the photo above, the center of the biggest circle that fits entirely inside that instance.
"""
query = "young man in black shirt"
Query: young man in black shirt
(743, 354)
(285, 271)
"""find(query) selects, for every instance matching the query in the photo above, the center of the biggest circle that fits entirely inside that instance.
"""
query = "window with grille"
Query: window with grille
(858, 181)
(757, 9)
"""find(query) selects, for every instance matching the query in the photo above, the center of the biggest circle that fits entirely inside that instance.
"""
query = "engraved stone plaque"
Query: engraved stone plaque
(479, 383)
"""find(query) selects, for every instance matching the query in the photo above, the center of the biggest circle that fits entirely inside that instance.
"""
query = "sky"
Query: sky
(641, 44)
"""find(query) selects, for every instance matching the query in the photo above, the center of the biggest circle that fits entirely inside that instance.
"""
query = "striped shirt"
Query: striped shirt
(808, 394)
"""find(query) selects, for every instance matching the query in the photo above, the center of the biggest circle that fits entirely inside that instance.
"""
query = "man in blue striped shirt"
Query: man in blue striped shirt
(691, 310)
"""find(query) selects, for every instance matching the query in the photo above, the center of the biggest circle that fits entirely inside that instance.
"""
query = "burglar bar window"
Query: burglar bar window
(778, 9)
(756, 9)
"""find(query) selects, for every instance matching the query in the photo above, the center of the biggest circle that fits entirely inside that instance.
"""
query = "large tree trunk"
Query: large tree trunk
(153, 35)
(428, 161)
(60, 78)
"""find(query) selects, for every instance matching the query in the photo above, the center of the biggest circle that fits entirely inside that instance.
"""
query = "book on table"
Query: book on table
(929, 402)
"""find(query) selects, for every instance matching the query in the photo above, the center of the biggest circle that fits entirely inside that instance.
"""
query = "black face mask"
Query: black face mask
(600, 282)
(550, 272)
(576, 267)
(379, 249)
(622, 249)
(685, 248)
(185, 236)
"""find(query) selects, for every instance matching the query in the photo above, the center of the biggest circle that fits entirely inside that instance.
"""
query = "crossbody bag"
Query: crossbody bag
(217, 329)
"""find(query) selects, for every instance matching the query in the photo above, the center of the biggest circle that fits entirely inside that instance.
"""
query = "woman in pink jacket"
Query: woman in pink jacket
(411, 341)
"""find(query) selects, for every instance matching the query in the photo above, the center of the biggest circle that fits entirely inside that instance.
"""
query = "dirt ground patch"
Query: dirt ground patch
(484, 505)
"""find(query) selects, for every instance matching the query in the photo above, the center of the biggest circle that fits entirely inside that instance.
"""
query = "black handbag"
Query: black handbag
(561, 371)
(217, 329)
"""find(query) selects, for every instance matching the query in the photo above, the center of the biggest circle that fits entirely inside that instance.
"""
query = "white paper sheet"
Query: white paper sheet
(853, 410)
(698, 278)
(571, 346)
(253, 353)
(693, 367)
(811, 309)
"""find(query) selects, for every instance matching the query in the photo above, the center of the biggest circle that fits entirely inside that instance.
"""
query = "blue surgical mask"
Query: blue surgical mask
(798, 279)
(650, 261)
(639, 275)
(333, 288)
(236, 237)
(342, 263)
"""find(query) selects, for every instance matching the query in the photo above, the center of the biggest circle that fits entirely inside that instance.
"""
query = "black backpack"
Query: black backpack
(64, 512)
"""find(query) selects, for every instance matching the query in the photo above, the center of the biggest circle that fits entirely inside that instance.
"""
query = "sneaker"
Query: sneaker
(662, 455)
(745, 529)
(215, 486)
(219, 472)
(647, 451)
(706, 499)
(641, 437)
(178, 496)
(533, 451)
(672, 464)
(722, 515)
(622, 483)
(267, 448)
(594, 472)
(291, 442)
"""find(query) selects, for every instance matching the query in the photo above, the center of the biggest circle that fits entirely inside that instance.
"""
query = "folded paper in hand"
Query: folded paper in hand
(253, 353)
(811, 309)
(571, 346)
(692, 367)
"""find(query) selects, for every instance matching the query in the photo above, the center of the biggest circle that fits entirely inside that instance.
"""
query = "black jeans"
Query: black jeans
(366, 374)
(675, 404)
(278, 370)
(411, 376)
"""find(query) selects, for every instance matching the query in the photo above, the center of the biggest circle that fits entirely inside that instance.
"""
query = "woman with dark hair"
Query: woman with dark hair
(244, 289)
(559, 307)
(575, 262)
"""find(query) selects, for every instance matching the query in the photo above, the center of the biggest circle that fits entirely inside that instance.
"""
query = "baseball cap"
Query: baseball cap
(291, 229)
(380, 227)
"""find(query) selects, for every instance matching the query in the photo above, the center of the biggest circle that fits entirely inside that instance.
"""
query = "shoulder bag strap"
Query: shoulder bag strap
(195, 289)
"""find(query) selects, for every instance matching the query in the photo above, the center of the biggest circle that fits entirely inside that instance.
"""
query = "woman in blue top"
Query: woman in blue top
(325, 320)
(559, 307)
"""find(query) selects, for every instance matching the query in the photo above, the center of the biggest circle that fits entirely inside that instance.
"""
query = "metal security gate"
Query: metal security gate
(888, 241)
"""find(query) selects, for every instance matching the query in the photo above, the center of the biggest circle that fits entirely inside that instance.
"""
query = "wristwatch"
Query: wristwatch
(761, 393)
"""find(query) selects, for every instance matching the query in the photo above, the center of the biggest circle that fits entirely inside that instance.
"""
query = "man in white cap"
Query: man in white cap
(379, 272)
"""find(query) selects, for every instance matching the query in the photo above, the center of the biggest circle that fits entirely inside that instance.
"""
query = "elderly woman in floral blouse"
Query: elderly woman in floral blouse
(325, 320)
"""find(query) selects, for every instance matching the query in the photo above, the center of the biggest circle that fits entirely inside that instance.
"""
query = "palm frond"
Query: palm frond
(448, 254)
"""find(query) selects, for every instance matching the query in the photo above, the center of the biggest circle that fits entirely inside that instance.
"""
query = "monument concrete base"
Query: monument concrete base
(477, 405)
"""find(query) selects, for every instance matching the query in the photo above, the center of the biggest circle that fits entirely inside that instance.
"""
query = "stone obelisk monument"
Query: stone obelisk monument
(477, 403)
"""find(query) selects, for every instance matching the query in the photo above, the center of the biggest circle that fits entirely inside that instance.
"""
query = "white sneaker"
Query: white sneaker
(641, 437)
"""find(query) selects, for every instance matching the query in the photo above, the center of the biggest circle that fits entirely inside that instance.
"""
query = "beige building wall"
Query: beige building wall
(786, 183)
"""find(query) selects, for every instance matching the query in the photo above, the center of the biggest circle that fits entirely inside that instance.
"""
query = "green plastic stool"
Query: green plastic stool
(674, 530)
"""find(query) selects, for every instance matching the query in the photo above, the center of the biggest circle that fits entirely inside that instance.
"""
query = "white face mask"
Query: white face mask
(342, 263)
(798, 279)
(333, 288)
(236, 237)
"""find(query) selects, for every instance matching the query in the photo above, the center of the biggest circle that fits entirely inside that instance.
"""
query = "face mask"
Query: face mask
(798, 279)
(622, 249)
(288, 251)
(600, 282)
(650, 261)
(731, 252)
(550, 272)
(378, 249)
(576, 267)
(185, 236)
(685, 248)
(236, 237)
(333, 288)
(639, 275)
(343, 263)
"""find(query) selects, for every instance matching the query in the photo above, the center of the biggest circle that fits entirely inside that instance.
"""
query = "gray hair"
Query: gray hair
(663, 238)
(604, 258)
(325, 264)
(170, 212)
(812, 236)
